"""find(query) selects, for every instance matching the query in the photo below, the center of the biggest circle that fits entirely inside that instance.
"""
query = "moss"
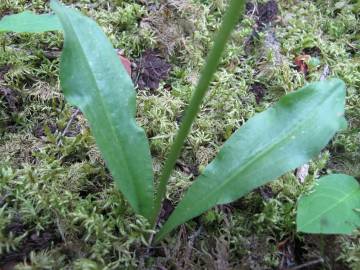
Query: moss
(57, 184)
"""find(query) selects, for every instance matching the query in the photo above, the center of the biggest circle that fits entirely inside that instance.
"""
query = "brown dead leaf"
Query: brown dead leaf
(300, 62)
(151, 69)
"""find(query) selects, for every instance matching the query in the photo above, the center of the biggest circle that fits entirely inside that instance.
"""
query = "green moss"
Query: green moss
(57, 183)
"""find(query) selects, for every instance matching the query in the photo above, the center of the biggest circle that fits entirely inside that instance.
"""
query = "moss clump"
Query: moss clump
(58, 205)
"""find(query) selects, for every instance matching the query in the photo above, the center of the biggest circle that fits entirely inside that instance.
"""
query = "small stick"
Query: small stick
(72, 118)
(191, 242)
(325, 73)
(70, 122)
(194, 236)
(301, 266)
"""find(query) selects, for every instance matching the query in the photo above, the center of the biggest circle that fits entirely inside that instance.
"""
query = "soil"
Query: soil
(150, 69)
(31, 242)
(319, 245)
(259, 90)
(313, 51)
(265, 12)
(190, 169)
(167, 209)
(11, 98)
(39, 129)
(11, 105)
(3, 71)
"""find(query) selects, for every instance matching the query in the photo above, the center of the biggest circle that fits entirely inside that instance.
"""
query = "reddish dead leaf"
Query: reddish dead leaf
(300, 62)
(126, 62)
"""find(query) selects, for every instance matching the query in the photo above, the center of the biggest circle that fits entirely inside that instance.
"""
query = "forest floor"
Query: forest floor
(59, 208)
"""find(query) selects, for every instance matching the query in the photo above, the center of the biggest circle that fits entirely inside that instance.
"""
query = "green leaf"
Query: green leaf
(28, 22)
(265, 147)
(93, 79)
(332, 207)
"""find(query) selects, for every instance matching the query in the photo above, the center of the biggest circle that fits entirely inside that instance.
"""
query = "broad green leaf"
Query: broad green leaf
(28, 22)
(265, 147)
(93, 79)
(333, 207)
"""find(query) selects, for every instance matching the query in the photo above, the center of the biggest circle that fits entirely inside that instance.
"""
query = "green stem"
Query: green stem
(234, 11)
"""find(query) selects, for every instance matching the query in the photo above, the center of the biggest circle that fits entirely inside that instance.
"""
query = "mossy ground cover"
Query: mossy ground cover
(59, 208)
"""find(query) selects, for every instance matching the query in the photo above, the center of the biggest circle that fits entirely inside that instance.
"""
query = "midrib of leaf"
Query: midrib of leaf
(330, 208)
(267, 149)
(98, 93)
(333, 189)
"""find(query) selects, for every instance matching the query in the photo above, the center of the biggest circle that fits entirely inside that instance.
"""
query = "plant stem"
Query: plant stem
(231, 18)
